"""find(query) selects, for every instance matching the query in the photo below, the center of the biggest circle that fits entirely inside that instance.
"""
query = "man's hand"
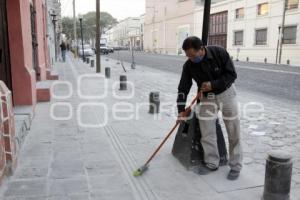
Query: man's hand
(181, 117)
(206, 87)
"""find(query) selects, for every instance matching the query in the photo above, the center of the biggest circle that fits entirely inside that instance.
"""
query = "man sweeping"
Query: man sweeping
(214, 72)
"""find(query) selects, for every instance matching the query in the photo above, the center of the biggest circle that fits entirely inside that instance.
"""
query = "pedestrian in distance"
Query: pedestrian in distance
(63, 48)
(213, 70)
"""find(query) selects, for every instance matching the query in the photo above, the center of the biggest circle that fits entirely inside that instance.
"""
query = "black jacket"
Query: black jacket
(216, 67)
(63, 46)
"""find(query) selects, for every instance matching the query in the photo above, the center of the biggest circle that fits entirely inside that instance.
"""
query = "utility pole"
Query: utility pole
(282, 29)
(75, 29)
(206, 18)
(82, 46)
(98, 59)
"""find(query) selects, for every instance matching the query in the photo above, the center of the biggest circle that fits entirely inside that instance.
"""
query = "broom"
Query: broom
(187, 111)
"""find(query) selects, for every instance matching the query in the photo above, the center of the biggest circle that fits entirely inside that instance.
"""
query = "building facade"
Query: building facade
(54, 28)
(25, 67)
(248, 29)
(167, 24)
(127, 33)
(24, 46)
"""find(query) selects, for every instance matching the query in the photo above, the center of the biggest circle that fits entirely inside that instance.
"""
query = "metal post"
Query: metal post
(98, 59)
(206, 19)
(278, 42)
(75, 29)
(282, 29)
(132, 57)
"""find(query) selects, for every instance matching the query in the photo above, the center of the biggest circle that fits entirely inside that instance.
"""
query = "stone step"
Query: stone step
(43, 91)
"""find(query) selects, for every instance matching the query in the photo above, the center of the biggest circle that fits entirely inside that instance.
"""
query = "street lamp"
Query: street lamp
(54, 20)
(80, 20)
(133, 64)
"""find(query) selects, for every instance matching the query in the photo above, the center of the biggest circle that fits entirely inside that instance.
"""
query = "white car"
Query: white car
(88, 51)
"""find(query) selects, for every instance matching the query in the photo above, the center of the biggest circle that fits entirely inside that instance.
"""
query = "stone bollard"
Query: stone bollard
(88, 60)
(92, 63)
(288, 62)
(123, 82)
(107, 72)
(265, 60)
(247, 59)
(154, 102)
(278, 176)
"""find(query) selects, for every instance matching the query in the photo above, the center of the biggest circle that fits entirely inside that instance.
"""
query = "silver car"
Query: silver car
(88, 51)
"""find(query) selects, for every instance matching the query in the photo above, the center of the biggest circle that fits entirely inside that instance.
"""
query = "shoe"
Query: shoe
(233, 175)
(206, 169)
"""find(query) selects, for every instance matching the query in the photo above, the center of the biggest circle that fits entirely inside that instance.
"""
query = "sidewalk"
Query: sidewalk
(62, 160)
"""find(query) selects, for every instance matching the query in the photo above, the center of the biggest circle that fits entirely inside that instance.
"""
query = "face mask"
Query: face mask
(198, 59)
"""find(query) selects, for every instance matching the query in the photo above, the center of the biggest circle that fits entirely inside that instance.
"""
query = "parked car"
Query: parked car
(88, 51)
(117, 48)
(104, 49)
(110, 49)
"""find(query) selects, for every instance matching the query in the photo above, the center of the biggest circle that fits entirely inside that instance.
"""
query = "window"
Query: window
(239, 13)
(292, 4)
(289, 35)
(263, 9)
(218, 29)
(238, 37)
(261, 36)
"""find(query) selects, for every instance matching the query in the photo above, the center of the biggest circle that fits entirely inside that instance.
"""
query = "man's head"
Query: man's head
(194, 48)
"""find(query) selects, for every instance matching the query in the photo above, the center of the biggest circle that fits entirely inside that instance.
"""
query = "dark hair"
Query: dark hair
(192, 42)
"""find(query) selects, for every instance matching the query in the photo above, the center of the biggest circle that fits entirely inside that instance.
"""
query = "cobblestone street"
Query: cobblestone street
(64, 159)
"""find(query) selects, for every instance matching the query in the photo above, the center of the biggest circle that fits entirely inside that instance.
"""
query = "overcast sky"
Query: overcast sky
(119, 9)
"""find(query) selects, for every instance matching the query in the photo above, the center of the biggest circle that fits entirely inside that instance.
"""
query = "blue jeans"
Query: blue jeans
(63, 55)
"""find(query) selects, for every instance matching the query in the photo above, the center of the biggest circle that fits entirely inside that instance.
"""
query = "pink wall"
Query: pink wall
(41, 37)
(20, 44)
(46, 50)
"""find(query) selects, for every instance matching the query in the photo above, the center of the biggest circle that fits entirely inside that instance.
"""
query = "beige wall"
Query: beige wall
(169, 16)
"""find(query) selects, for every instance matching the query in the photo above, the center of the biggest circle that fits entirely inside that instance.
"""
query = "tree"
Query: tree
(88, 24)
(106, 21)
(67, 25)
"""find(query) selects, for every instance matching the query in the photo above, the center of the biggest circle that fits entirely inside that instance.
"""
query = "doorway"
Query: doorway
(34, 40)
(5, 70)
